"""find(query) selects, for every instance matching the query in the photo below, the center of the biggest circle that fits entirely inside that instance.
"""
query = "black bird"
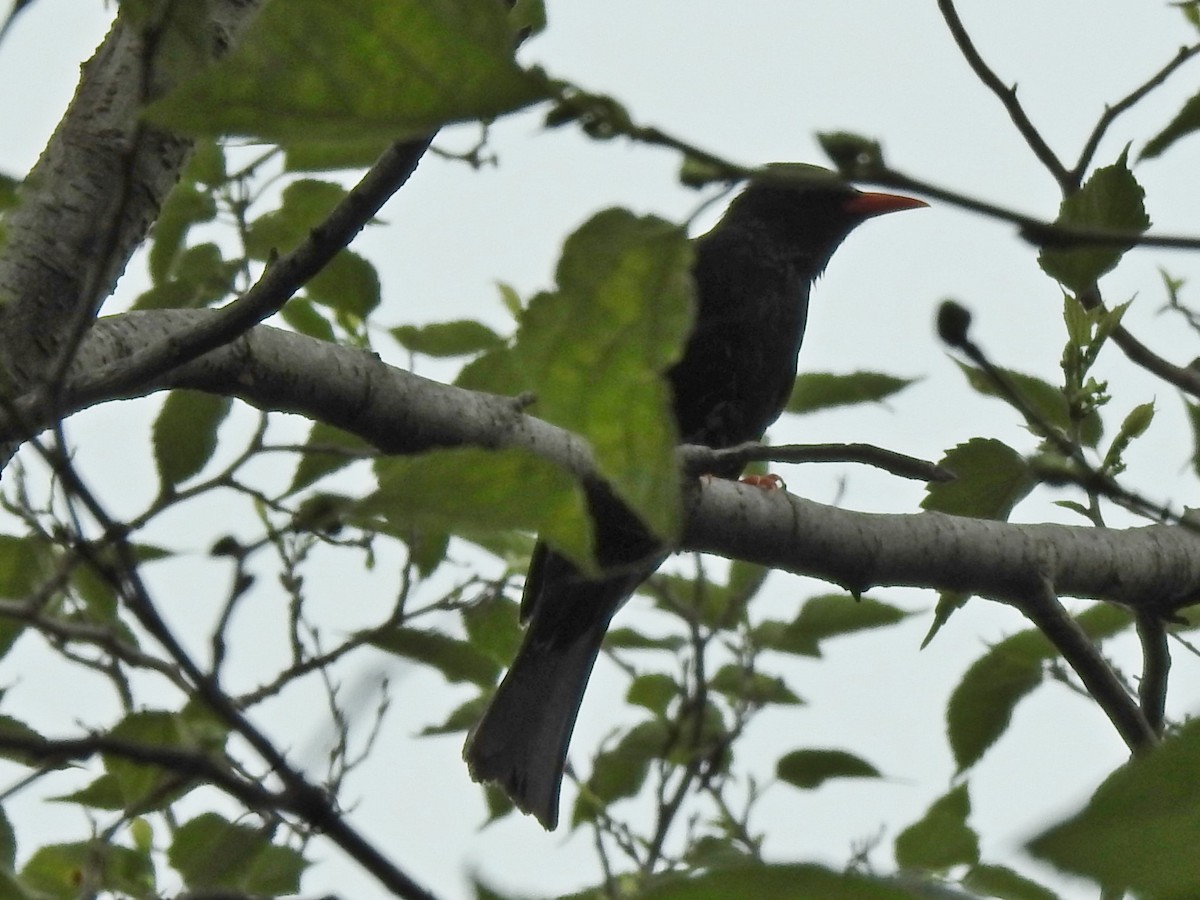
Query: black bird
(752, 275)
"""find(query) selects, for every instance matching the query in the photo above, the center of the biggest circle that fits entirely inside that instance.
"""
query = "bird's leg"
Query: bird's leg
(770, 482)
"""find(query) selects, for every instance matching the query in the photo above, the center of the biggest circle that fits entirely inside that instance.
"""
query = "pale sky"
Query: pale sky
(754, 81)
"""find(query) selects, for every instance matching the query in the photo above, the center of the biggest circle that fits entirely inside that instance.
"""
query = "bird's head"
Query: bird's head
(806, 211)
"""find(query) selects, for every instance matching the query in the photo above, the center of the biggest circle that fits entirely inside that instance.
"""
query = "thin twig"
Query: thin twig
(302, 797)
(1007, 95)
(698, 459)
(278, 283)
(1086, 475)
(1046, 612)
(1156, 667)
(1035, 230)
(192, 763)
(1124, 104)
(692, 707)
(1185, 378)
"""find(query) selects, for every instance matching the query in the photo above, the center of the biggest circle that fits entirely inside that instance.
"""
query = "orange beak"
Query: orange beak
(864, 205)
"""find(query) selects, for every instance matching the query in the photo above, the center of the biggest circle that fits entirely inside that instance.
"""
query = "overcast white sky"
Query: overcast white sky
(756, 81)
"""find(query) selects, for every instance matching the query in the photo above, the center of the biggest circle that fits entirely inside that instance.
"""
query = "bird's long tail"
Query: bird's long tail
(521, 741)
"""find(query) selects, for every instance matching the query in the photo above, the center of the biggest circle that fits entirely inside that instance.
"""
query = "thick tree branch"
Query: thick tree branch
(191, 764)
(90, 199)
(278, 283)
(1155, 568)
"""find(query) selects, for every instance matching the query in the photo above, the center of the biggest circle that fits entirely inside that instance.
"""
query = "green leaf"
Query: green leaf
(182, 33)
(100, 598)
(185, 433)
(811, 768)
(58, 870)
(941, 839)
(512, 547)
(1110, 199)
(711, 604)
(14, 729)
(206, 165)
(495, 371)
(498, 803)
(200, 276)
(25, 562)
(528, 16)
(710, 852)
(1141, 827)
(654, 691)
(140, 784)
(854, 155)
(144, 786)
(697, 172)
(328, 449)
(213, 854)
(949, 602)
(1002, 882)
(470, 490)
(716, 605)
(348, 284)
(304, 205)
(8, 191)
(1186, 121)
(621, 771)
(990, 479)
(462, 337)
(427, 550)
(1104, 621)
(329, 156)
(184, 207)
(101, 793)
(142, 834)
(462, 718)
(510, 298)
(1132, 427)
(458, 661)
(8, 843)
(756, 688)
(302, 316)
(358, 74)
(982, 704)
(1087, 332)
(628, 639)
(827, 616)
(823, 390)
(492, 627)
(773, 882)
(1193, 414)
(1042, 397)
(1075, 507)
(594, 352)
(745, 580)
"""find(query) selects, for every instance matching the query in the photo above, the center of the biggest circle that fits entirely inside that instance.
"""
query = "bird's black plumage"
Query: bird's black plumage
(752, 274)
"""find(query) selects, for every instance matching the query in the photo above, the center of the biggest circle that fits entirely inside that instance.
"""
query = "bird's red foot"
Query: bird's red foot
(765, 482)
